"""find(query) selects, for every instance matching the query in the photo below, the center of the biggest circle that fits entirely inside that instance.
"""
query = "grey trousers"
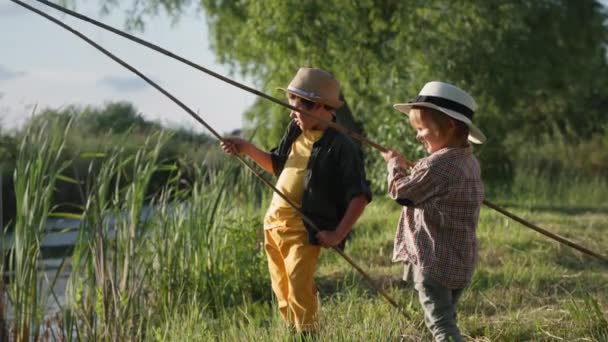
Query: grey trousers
(438, 303)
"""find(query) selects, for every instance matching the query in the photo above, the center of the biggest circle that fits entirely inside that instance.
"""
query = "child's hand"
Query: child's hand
(328, 238)
(401, 161)
(390, 154)
(232, 146)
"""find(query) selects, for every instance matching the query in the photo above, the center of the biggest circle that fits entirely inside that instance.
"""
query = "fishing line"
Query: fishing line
(219, 137)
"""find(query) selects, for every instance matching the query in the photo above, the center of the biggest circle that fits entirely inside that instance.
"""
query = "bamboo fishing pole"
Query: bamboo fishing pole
(332, 124)
(212, 73)
(219, 137)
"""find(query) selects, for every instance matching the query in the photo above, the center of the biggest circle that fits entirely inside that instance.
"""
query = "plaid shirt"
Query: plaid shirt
(436, 231)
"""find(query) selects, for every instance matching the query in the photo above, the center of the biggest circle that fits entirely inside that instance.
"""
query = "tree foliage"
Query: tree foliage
(533, 66)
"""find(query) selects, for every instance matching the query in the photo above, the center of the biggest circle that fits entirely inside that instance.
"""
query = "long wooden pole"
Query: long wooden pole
(334, 125)
(545, 232)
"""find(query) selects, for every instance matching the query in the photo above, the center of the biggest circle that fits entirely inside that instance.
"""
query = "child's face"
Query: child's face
(428, 132)
(306, 122)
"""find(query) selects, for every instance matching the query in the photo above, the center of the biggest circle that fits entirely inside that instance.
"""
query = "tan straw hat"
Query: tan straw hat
(316, 85)
(450, 100)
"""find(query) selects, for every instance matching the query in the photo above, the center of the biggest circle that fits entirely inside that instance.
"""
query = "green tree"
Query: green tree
(533, 66)
(117, 117)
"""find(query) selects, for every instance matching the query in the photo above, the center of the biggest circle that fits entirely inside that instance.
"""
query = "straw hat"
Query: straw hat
(316, 85)
(450, 100)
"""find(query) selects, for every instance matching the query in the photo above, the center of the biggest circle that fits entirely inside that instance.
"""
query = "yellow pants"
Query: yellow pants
(292, 262)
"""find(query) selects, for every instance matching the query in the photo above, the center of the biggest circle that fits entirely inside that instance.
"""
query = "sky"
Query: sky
(44, 66)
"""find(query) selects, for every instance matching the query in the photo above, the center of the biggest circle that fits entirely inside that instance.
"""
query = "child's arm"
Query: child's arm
(328, 238)
(412, 186)
(234, 146)
(397, 167)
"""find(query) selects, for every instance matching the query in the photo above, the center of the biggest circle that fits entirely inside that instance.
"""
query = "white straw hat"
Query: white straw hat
(450, 100)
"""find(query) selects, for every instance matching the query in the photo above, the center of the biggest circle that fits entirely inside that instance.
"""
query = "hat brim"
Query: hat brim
(476, 136)
(332, 103)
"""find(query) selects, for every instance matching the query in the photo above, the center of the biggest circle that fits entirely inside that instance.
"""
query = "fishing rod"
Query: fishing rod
(212, 73)
(219, 137)
(331, 124)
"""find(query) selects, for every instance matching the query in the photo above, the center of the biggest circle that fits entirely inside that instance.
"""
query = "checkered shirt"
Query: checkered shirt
(441, 195)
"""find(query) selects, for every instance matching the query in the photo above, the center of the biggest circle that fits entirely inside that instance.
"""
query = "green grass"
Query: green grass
(526, 287)
(196, 270)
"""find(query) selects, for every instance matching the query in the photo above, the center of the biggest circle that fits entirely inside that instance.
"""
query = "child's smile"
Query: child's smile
(430, 137)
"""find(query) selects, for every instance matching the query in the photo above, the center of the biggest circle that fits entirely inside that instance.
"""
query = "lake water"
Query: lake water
(56, 246)
(61, 236)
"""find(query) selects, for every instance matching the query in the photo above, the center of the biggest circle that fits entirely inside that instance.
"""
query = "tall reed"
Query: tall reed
(38, 167)
(206, 249)
(138, 259)
(3, 258)
(90, 284)
(108, 294)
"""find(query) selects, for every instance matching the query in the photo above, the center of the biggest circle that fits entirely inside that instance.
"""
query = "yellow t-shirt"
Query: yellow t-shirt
(291, 184)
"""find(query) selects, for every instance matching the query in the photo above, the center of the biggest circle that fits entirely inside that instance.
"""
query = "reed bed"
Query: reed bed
(39, 166)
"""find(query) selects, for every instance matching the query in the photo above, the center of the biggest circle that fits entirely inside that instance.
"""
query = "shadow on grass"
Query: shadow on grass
(561, 209)
(378, 254)
(513, 333)
(577, 261)
(542, 286)
(343, 283)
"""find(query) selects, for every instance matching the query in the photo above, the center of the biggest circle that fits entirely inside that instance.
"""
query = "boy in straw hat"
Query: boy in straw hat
(441, 196)
(320, 170)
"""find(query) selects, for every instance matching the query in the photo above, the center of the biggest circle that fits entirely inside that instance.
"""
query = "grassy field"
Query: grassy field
(195, 269)
(526, 288)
